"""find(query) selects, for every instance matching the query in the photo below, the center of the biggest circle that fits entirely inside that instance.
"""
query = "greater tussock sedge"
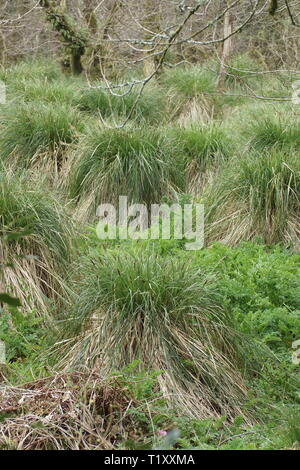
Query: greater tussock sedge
(202, 148)
(243, 69)
(30, 131)
(133, 304)
(110, 163)
(274, 129)
(262, 126)
(257, 196)
(189, 81)
(44, 91)
(31, 70)
(33, 263)
(149, 107)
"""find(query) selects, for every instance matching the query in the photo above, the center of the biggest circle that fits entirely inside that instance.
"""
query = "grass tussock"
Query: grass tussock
(191, 92)
(189, 81)
(244, 70)
(31, 70)
(202, 148)
(258, 196)
(110, 163)
(149, 107)
(273, 127)
(136, 305)
(43, 90)
(34, 132)
(33, 264)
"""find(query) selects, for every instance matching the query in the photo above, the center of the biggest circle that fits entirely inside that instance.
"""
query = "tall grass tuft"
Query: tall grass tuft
(136, 305)
(135, 162)
(243, 69)
(34, 263)
(272, 128)
(149, 107)
(31, 70)
(44, 91)
(202, 148)
(189, 81)
(257, 196)
(37, 131)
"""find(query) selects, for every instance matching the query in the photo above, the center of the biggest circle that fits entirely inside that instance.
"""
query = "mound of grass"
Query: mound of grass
(189, 81)
(243, 69)
(32, 263)
(150, 106)
(202, 148)
(43, 90)
(31, 70)
(135, 305)
(257, 195)
(30, 130)
(274, 127)
(110, 163)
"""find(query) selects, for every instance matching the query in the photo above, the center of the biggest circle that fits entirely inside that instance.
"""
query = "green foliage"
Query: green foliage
(133, 162)
(204, 145)
(27, 208)
(65, 26)
(261, 286)
(149, 107)
(141, 384)
(29, 129)
(20, 333)
(9, 300)
(189, 81)
(36, 69)
(152, 412)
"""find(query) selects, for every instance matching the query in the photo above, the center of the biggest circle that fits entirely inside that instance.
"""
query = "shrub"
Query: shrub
(261, 286)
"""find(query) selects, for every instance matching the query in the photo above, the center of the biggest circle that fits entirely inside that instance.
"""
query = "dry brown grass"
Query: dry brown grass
(75, 411)
(33, 265)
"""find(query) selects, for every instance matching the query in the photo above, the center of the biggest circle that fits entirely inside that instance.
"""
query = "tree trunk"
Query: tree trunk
(76, 65)
(227, 46)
